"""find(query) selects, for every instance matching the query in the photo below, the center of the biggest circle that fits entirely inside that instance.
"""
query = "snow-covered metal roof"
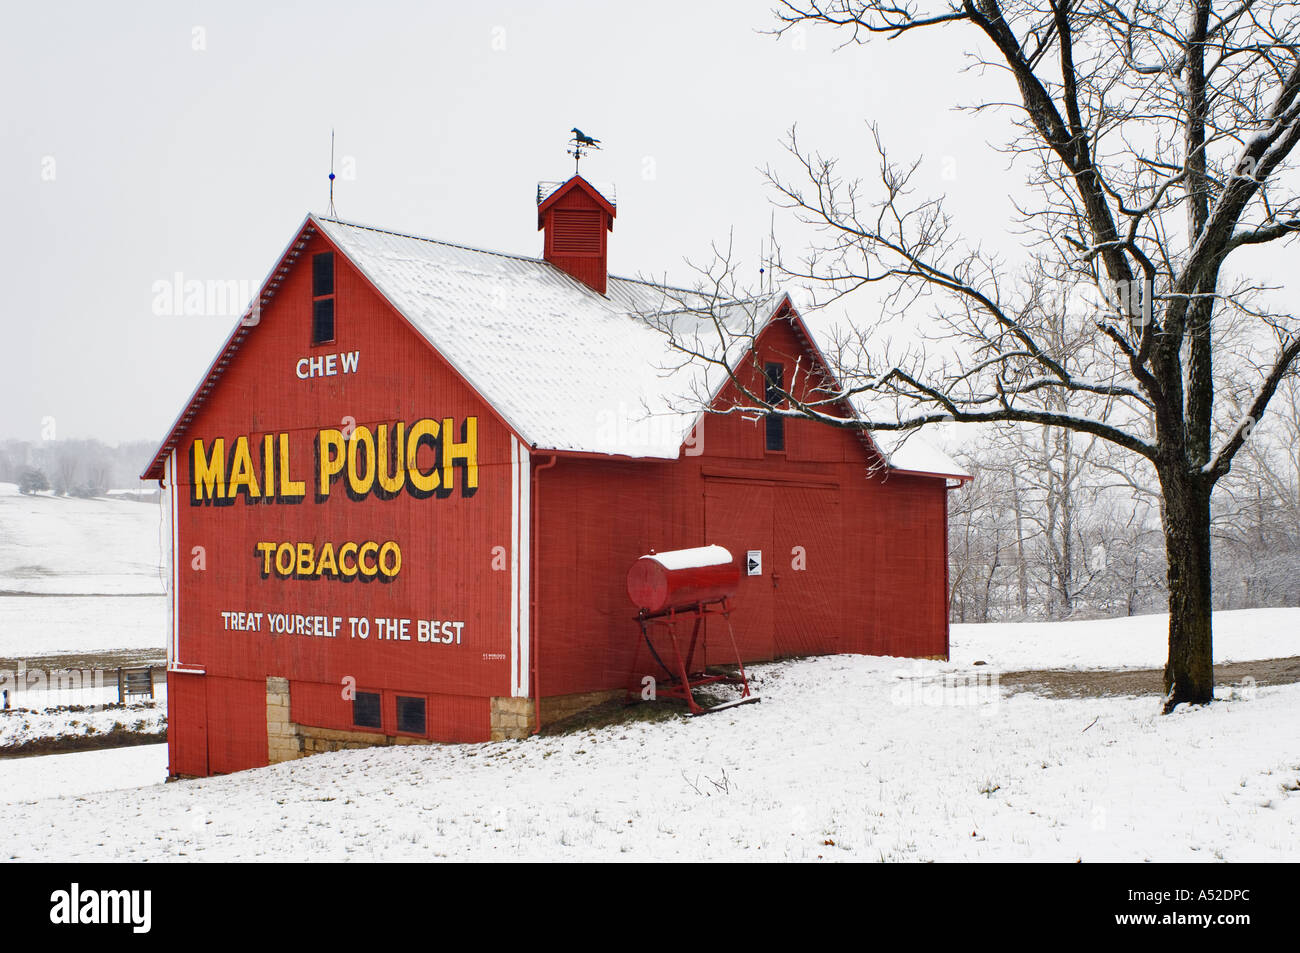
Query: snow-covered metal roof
(913, 455)
(548, 188)
(567, 368)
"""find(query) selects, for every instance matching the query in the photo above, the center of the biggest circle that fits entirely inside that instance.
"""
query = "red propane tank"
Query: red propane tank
(682, 577)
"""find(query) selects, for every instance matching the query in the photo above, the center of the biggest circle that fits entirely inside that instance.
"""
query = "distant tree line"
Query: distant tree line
(80, 468)
(1058, 526)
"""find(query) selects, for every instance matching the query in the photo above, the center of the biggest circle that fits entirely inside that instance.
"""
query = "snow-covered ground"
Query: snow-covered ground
(69, 775)
(78, 578)
(73, 687)
(54, 544)
(1142, 641)
(65, 625)
(18, 727)
(847, 758)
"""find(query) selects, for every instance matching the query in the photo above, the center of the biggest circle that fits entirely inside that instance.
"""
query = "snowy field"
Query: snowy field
(1242, 635)
(74, 625)
(78, 578)
(69, 775)
(54, 544)
(19, 727)
(847, 758)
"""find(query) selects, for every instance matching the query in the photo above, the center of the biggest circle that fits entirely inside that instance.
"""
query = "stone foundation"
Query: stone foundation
(286, 740)
(514, 717)
(510, 718)
(562, 706)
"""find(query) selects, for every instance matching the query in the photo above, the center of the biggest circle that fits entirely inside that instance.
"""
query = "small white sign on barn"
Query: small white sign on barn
(754, 562)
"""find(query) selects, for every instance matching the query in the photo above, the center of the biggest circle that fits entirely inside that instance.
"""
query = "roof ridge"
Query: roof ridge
(425, 238)
(756, 300)
(654, 284)
(486, 251)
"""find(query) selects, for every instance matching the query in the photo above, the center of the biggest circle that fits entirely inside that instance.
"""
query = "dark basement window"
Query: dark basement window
(410, 715)
(773, 424)
(322, 298)
(365, 710)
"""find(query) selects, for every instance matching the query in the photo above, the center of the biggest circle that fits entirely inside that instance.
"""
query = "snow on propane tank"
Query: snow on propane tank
(682, 577)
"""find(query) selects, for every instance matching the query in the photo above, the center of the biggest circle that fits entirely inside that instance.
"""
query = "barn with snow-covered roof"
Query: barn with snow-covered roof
(404, 499)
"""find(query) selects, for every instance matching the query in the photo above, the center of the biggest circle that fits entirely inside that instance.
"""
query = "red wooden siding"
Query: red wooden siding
(187, 724)
(872, 544)
(577, 223)
(236, 724)
(454, 718)
(446, 543)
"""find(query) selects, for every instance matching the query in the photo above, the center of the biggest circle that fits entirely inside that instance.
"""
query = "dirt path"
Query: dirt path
(1066, 683)
(108, 660)
(66, 744)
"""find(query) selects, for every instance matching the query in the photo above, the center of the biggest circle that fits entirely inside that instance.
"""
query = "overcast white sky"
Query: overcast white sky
(142, 140)
(131, 155)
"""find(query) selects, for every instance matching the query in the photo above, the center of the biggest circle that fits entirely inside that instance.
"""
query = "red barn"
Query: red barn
(405, 496)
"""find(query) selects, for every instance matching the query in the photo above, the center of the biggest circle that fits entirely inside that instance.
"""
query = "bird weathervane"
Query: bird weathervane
(580, 145)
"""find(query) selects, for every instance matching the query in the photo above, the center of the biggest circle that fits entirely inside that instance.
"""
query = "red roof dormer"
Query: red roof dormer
(577, 217)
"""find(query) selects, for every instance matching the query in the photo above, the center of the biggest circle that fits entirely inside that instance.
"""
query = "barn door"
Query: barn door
(793, 605)
(738, 516)
(807, 571)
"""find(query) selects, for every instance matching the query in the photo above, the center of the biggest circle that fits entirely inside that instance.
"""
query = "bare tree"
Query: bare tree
(983, 542)
(67, 467)
(1157, 137)
(1256, 514)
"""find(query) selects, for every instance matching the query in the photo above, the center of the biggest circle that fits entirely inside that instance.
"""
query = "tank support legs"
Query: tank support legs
(683, 677)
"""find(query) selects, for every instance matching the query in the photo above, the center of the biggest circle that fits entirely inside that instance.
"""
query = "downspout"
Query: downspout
(533, 576)
(947, 582)
(947, 593)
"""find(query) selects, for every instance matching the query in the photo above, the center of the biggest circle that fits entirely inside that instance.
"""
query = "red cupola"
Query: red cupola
(577, 216)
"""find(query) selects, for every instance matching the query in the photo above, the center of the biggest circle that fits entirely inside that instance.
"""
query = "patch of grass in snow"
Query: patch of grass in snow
(617, 712)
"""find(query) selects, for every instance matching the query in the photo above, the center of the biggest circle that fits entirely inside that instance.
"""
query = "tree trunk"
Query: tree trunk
(1189, 673)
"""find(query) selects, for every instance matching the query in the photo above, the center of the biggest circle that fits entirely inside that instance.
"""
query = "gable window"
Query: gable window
(365, 710)
(322, 298)
(322, 321)
(322, 274)
(410, 715)
(773, 424)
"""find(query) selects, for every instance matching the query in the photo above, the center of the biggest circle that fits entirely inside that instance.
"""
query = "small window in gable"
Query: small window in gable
(322, 298)
(322, 321)
(773, 424)
(322, 274)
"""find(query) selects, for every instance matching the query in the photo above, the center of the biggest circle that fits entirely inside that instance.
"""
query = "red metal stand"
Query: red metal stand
(683, 678)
